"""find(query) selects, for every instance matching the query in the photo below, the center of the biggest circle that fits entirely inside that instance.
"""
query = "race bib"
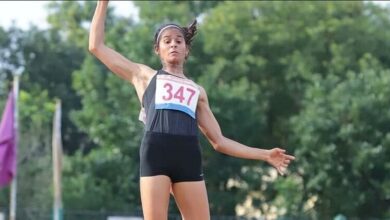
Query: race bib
(177, 94)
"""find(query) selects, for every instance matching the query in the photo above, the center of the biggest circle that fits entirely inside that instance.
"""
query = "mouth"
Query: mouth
(173, 52)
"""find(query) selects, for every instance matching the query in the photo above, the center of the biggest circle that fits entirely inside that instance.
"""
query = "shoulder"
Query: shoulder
(201, 89)
(202, 94)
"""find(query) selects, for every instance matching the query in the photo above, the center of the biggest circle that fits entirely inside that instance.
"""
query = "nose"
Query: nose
(173, 44)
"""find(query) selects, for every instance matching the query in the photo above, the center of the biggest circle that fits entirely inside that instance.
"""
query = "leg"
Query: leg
(191, 198)
(155, 196)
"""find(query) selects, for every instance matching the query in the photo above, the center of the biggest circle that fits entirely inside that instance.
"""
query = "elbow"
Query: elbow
(217, 148)
(218, 144)
(92, 48)
(96, 50)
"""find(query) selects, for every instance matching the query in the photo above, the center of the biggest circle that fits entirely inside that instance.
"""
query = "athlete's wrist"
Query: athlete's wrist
(266, 156)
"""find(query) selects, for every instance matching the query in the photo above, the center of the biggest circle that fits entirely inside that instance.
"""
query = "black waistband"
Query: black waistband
(170, 138)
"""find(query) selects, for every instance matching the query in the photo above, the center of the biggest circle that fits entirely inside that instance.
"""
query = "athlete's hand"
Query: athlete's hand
(278, 159)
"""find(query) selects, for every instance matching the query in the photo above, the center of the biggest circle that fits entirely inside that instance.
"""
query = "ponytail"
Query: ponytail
(190, 32)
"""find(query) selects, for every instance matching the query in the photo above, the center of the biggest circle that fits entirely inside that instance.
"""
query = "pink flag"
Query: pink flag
(7, 143)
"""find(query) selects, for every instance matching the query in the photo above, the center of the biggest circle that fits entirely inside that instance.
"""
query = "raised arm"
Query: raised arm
(135, 73)
(211, 129)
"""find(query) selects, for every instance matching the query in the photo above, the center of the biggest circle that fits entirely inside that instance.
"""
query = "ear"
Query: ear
(156, 50)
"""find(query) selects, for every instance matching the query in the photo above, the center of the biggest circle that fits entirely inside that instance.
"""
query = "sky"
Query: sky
(25, 12)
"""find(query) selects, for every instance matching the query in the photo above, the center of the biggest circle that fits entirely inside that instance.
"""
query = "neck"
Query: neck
(175, 69)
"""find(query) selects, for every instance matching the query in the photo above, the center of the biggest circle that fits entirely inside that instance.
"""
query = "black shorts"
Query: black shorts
(175, 156)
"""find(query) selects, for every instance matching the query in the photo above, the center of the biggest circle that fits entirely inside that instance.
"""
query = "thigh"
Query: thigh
(191, 198)
(155, 192)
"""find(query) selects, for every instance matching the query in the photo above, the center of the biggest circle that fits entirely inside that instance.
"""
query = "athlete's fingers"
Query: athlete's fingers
(289, 157)
(280, 170)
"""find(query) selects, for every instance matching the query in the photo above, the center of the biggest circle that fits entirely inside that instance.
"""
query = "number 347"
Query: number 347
(180, 94)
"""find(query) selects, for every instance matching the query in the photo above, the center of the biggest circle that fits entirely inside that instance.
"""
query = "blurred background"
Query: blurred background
(312, 77)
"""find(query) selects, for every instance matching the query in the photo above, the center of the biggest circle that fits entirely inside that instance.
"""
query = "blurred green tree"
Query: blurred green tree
(343, 137)
(310, 77)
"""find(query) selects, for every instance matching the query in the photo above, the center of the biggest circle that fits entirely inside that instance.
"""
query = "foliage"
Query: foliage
(347, 123)
(308, 77)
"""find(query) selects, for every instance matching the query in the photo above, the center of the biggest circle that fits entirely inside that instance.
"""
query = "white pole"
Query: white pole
(12, 212)
(57, 162)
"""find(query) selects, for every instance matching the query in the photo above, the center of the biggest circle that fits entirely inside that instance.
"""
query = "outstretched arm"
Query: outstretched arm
(211, 129)
(137, 74)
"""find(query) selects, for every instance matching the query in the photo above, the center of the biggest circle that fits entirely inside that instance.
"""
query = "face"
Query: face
(171, 47)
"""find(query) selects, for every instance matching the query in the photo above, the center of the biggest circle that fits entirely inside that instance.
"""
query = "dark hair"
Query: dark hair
(188, 32)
